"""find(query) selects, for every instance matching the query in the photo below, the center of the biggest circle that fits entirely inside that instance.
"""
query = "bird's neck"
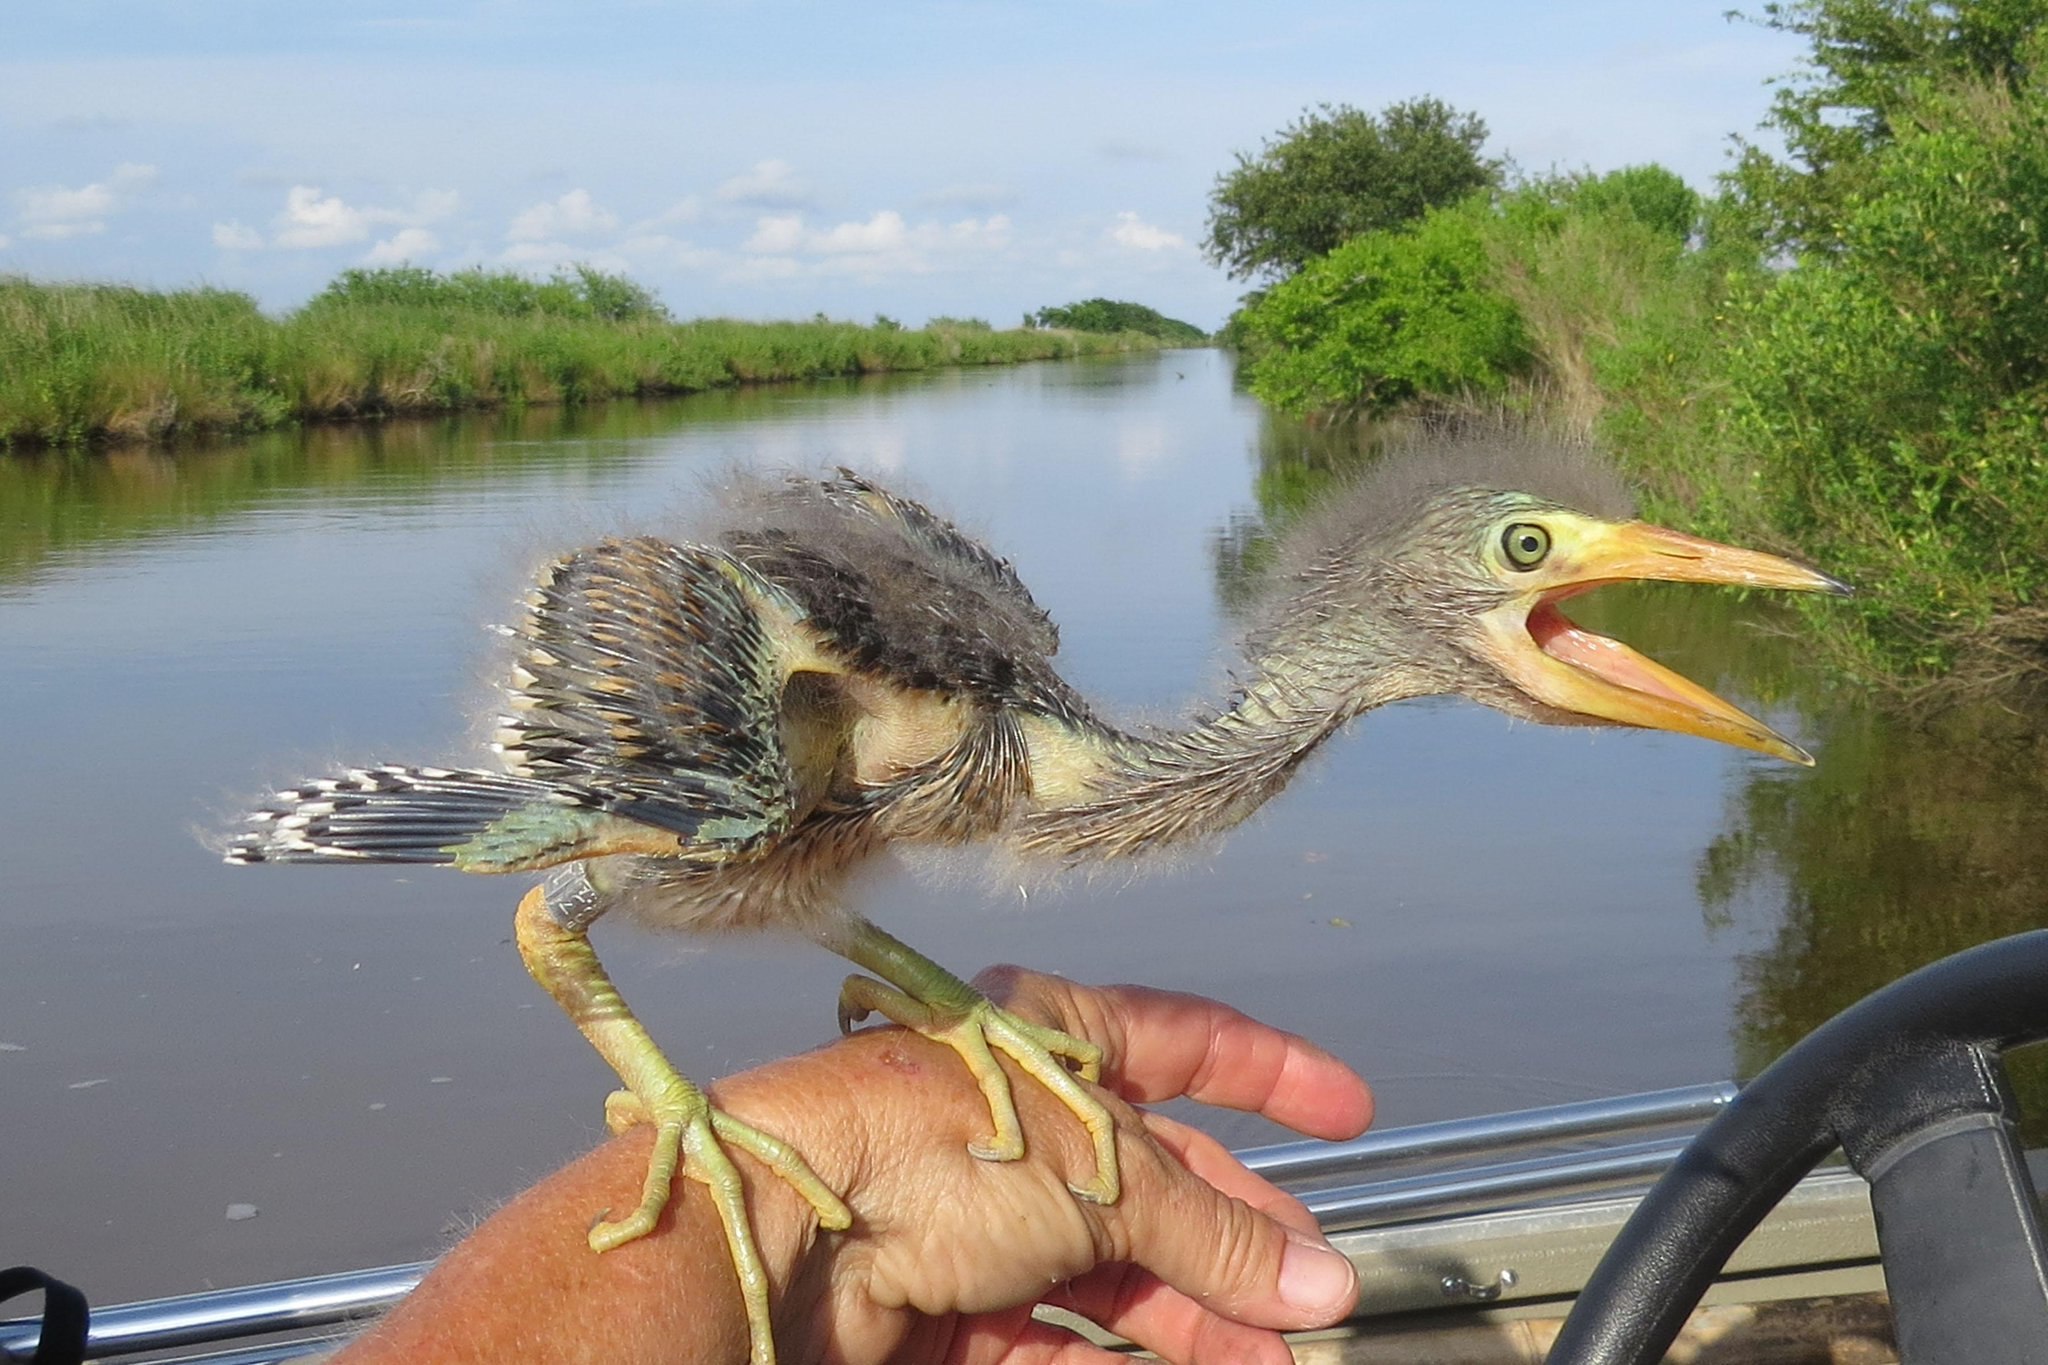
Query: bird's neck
(1149, 791)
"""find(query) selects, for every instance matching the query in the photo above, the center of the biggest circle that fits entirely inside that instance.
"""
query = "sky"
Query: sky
(763, 159)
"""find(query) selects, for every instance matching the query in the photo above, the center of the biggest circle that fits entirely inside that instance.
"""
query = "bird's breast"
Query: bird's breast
(898, 733)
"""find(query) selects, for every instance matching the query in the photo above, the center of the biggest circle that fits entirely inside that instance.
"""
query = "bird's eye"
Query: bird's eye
(1525, 544)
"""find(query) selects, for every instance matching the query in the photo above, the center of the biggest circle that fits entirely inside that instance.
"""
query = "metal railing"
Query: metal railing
(1347, 1185)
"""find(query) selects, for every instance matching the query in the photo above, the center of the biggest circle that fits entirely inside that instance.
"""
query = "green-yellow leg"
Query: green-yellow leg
(688, 1131)
(924, 996)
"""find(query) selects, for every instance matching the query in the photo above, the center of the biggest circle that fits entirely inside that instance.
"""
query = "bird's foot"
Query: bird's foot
(689, 1132)
(978, 1030)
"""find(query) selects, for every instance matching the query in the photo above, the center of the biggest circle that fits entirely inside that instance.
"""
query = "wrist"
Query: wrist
(803, 1103)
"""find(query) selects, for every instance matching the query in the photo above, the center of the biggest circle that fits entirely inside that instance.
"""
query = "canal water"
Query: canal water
(217, 1075)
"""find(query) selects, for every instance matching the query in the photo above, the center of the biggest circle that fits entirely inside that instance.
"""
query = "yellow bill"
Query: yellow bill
(1578, 671)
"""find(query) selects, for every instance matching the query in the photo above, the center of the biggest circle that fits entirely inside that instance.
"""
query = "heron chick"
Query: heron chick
(714, 735)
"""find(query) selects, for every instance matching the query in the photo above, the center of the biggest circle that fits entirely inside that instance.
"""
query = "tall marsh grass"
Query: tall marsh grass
(107, 363)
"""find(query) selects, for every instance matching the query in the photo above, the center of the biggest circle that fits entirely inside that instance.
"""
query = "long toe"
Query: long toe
(1044, 1054)
(693, 1137)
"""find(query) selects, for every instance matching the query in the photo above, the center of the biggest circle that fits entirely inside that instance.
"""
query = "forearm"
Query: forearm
(526, 1285)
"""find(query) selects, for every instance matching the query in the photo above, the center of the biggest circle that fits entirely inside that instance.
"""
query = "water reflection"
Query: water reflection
(1910, 843)
(59, 503)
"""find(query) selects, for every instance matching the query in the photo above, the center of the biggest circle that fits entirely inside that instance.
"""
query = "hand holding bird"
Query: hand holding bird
(1201, 1260)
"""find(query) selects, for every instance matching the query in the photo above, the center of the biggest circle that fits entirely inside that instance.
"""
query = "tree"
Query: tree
(1652, 195)
(1337, 172)
(1115, 315)
(1870, 65)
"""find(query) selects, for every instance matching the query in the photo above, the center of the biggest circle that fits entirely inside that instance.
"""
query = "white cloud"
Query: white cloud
(776, 236)
(234, 235)
(407, 244)
(754, 269)
(1133, 231)
(688, 209)
(59, 231)
(5, 241)
(574, 214)
(883, 245)
(55, 211)
(55, 204)
(642, 254)
(885, 232)
(310, 219)
(769, 185)
(532, 255)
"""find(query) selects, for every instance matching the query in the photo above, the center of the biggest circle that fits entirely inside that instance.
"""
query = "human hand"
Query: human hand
(1199, 1261)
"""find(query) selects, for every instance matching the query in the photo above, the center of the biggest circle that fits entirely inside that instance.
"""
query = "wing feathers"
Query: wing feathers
(647, 677)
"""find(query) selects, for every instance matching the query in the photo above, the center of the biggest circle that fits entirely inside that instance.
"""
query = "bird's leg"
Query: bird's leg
(687, 1129)
(922, 995)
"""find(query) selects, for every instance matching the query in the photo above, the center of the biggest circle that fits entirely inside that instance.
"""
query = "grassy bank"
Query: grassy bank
(86, 363)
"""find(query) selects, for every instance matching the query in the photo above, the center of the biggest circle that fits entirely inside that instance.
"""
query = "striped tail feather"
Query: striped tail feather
(392, 815)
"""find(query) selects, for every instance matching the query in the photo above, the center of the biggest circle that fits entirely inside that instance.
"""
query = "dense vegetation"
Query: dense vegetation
(1114, 315)
(1470, 297)
(84, 362)
(1841, 352)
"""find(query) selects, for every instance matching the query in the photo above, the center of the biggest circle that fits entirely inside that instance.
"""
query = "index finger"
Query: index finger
(1158, 1045)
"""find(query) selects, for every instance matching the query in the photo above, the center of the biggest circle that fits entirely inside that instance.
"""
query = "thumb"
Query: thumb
(1232, 1258)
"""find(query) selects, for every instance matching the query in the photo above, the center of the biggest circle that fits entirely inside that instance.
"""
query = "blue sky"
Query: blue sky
(776, 159)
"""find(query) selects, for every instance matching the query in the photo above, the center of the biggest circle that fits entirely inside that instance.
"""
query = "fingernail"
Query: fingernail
(1314, 1277)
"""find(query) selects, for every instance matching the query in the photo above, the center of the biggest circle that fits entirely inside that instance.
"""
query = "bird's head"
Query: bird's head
(1459, 583)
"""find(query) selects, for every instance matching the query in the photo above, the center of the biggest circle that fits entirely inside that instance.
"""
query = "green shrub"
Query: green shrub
(1388, 317)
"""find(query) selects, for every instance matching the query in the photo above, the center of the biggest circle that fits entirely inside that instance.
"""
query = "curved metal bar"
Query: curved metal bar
(1578, 1121)
(230, 1314)
(1441, 1194)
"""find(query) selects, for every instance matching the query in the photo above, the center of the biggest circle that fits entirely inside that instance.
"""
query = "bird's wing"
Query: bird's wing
(889, 587)
(650, 677)
(944, 546)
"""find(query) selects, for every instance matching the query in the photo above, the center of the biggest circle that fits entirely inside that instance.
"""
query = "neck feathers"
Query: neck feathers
(1148, 792)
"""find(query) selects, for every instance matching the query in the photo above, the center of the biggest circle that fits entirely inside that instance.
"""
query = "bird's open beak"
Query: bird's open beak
(1578, 671)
